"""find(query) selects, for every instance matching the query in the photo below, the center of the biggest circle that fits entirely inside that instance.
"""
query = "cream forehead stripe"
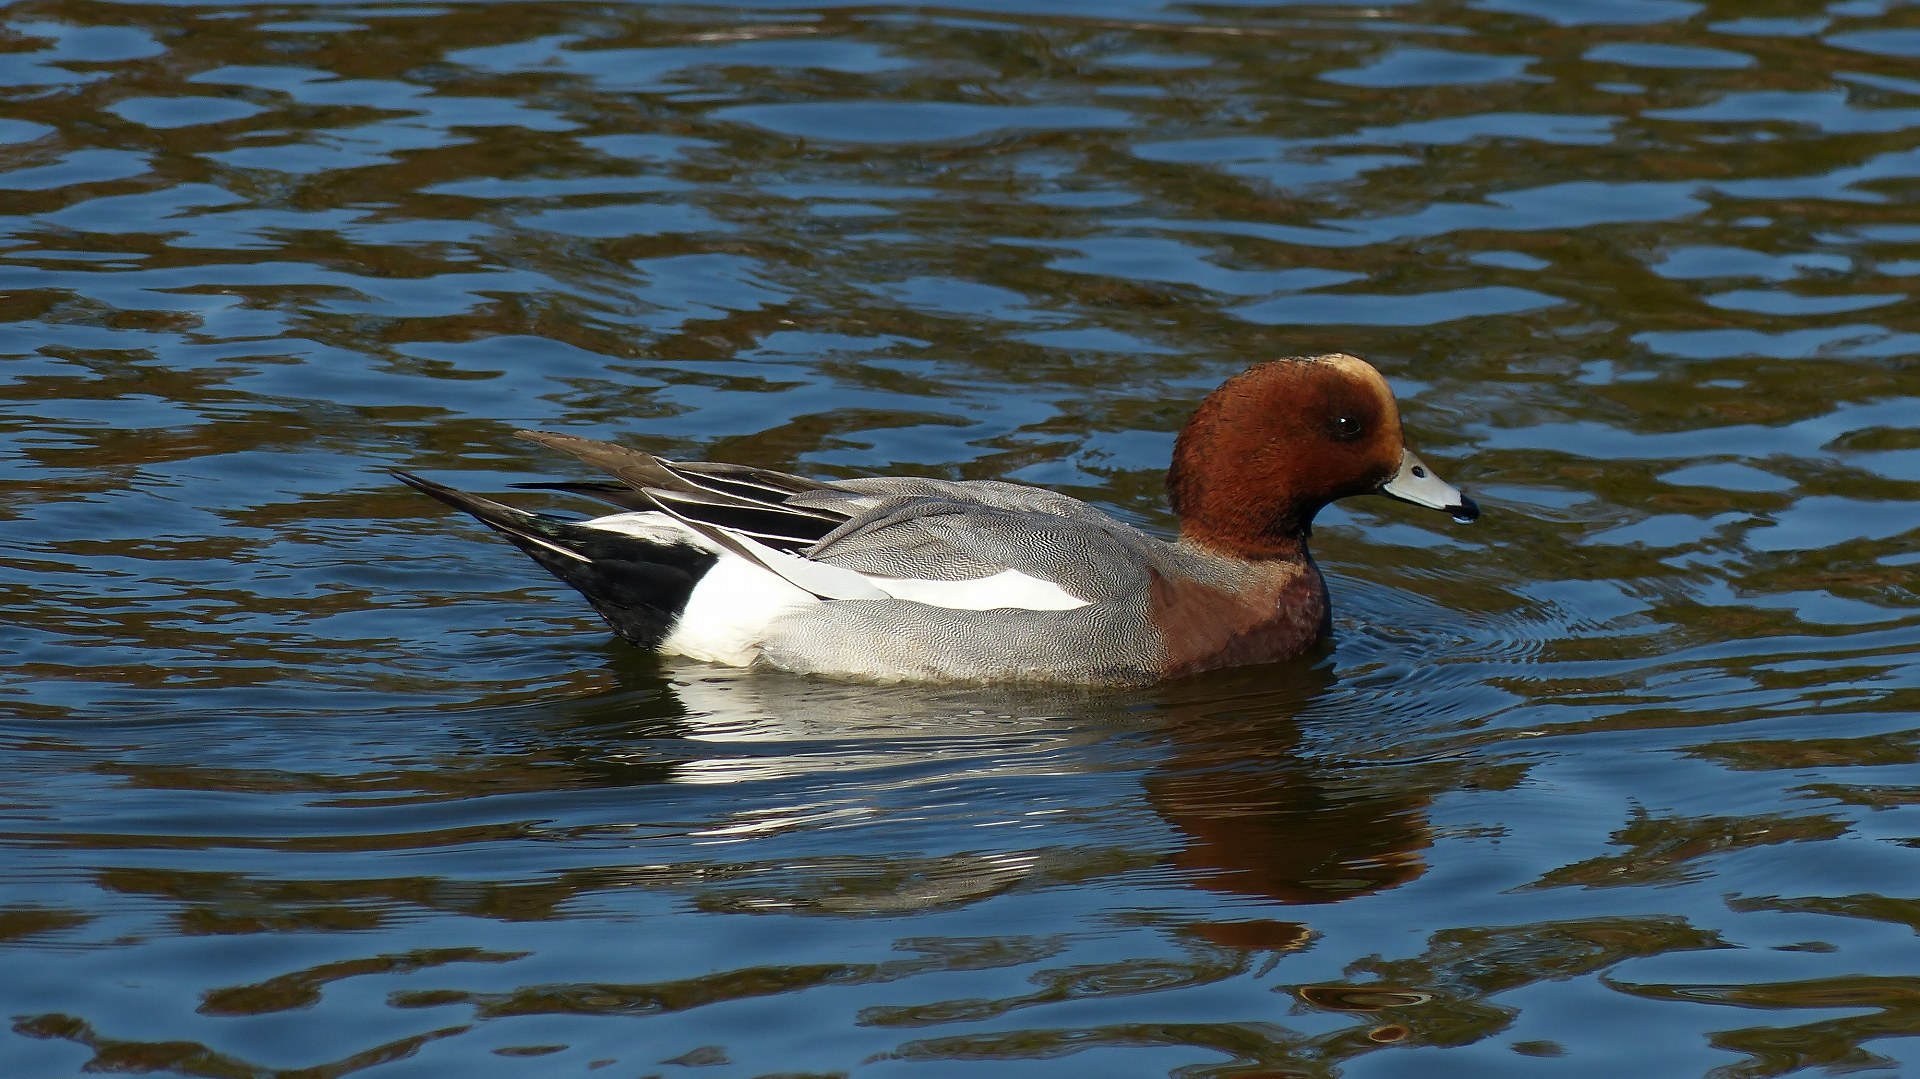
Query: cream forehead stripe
(1360, 369)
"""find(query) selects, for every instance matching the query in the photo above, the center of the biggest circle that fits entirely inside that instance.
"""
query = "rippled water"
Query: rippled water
(302, 774)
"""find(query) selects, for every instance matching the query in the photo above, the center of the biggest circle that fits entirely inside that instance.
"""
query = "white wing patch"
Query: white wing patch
(727, 615)
(1008, 588)
(820, 578)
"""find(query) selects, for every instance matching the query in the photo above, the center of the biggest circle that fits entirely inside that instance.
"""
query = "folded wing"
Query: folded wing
(961, 545)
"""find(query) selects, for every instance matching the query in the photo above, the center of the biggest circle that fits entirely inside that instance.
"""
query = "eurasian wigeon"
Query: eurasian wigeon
(900, 578)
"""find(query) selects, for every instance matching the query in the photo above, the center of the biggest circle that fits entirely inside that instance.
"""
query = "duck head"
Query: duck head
(1275, 443)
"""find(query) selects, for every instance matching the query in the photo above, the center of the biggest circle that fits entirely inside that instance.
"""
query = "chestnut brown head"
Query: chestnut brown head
(1275, 443)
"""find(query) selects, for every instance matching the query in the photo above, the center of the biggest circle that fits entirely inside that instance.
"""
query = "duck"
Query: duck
(913, 579)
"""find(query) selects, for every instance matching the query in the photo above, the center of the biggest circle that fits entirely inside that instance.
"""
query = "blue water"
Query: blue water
(301, 774)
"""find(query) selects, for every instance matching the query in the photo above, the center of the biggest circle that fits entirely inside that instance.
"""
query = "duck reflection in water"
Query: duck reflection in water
(1220, 759)
(1265, 818)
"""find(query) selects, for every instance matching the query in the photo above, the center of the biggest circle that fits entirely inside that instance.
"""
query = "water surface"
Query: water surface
(301, 774)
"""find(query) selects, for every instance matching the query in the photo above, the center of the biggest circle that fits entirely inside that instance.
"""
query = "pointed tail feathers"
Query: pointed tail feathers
(638, 584)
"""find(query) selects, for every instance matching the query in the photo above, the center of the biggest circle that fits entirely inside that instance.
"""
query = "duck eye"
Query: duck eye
(1346, 428)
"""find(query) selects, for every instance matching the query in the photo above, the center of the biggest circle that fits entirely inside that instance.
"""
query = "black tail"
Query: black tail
(639, 586)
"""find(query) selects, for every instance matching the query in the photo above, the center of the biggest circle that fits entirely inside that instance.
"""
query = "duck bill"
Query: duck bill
(1416, 483)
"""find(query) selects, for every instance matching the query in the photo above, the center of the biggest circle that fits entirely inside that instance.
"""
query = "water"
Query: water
(304, 775)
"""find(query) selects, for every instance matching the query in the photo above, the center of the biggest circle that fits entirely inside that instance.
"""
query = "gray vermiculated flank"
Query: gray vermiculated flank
(948, 530)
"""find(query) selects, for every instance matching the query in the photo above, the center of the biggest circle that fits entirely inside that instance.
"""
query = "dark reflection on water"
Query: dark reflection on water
(301, 775)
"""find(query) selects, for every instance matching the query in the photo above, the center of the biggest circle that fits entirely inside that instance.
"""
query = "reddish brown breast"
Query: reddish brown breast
(1281, 611)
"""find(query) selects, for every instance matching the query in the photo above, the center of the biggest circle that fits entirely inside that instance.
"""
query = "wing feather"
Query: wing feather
(962, 544)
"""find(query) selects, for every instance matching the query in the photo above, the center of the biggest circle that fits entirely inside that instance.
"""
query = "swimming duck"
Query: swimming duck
(900, 578)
